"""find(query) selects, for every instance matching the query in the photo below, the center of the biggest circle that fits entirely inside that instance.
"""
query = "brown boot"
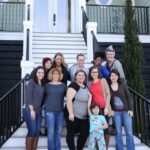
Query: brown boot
(107, 138)
(29, 143)
(35, 143)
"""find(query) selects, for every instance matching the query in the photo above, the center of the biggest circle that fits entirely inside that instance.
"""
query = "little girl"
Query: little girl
(97, 124)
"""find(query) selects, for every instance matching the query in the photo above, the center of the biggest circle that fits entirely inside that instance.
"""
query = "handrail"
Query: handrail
(110, 18)
(10, 110)
(26, 76)
(96, 46)
(141, 119)
(84, 22)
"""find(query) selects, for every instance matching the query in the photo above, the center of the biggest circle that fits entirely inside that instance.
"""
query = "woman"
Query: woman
(98, 58)
(46, 62)
(32, 111)
(60, 64)
(78, 97)
(100, 95)
(54, 101)
(112, 62)
(121, 103)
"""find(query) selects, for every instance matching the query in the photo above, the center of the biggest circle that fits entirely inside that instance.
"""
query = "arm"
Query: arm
(89, 104)
(104, 126)
(70, 95)
(29, 92)
(129, 99)
(107, 96)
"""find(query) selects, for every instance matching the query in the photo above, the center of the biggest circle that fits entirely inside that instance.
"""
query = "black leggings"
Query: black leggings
(80, 126)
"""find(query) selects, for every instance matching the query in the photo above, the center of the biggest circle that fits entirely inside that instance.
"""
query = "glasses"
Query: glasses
(94, 72)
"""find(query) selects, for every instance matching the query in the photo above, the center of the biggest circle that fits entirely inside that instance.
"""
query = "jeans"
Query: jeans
(33, 126)
(122, 118)
(54, 128)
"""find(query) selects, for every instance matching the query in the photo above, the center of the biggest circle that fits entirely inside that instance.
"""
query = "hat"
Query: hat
(99, 54)
(45, 59)
(110, 48)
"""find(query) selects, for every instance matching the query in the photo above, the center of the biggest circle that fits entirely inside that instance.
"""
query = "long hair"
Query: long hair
(63, 60)
(79, 72)
(35, 76)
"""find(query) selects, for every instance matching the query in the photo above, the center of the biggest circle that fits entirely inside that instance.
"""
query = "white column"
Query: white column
(73, 16)
(90, 26)
(78, 19)
(27, 65)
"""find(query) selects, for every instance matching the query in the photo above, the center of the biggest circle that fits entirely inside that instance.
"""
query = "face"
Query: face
(95, 110)
(110, 56)
(58, 60)
(47, 64)
(55, 76)
(94, 73)
(97, 61)
(80, 60)
(80, 77)
(40, 74)
(113, 77)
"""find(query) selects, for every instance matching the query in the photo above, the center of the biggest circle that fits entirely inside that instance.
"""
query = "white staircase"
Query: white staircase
(17, 141)
(48, 44)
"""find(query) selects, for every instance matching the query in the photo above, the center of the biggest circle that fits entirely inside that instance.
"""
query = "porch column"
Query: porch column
(27, 60)
(79, 4)
(90, 26)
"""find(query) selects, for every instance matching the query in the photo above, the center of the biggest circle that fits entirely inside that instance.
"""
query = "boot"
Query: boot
(35, 143)
(107, 138)
(29, 143)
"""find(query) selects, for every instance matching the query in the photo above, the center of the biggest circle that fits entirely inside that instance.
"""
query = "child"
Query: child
(97, 124)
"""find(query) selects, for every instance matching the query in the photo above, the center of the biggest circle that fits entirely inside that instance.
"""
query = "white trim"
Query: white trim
(12, 36)
(108, 3)
(115, 38)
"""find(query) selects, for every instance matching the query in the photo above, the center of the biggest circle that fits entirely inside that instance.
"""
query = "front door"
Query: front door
(51, 16)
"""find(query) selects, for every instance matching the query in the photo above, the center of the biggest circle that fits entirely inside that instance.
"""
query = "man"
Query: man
(78, 66)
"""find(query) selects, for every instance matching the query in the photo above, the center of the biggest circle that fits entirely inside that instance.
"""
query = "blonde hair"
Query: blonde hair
(51, 72)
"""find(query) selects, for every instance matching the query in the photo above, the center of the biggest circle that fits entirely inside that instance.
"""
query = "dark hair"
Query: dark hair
(79, 72)
(93, 105)
(90, 70)
(35, 77)
(117, 73)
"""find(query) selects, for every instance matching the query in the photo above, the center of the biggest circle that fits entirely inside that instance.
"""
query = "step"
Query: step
(63, 51)
(51, 38)
(59, 47)
(43, 34)
(48, 42)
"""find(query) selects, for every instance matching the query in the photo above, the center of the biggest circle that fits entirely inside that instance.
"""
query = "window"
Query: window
(103, 2)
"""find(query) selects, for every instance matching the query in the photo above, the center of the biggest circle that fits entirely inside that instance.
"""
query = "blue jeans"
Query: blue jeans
(33, 126)
(54, 128)
(122, 118)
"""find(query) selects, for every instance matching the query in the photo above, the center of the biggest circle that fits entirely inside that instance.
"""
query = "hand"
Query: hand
(32, 113)
(106, 111)
(112, 113)
(130, 113)
(71, 117)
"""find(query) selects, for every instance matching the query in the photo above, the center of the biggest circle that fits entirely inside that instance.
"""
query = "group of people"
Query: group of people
(94, 95)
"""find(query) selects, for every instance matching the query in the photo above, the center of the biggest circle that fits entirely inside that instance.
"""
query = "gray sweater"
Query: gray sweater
(34, 95)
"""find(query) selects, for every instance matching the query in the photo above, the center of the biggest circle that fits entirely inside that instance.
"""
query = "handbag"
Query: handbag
(118, 104)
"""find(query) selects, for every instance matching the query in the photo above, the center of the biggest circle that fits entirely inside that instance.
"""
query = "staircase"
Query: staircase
(48, 44)
(17, 141)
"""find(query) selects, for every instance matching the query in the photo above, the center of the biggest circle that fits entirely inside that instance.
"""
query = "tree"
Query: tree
(132, 51)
